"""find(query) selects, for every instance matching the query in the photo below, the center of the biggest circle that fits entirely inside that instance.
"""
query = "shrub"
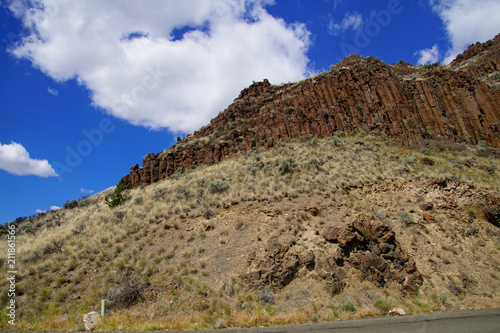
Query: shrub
(455, 163)
(334, 141)
(208, 213)
(181, 194)
(409, 160)
(426, 151)
(218, 186)
(405, 216)
(70, 204)
(117, 198)
(483, 152)
(383, 305)
(313, 142)
(287, 165)
(491, 169)
(160, 193)
(340, 134)
(53, 247)
(201, 182)
(127, 293)
(119, 214)
(348, 306)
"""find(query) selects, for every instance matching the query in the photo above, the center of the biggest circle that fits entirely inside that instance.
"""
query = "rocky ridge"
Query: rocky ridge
(409, 105)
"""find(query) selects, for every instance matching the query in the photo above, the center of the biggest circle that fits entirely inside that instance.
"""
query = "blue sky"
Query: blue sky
(89, 87)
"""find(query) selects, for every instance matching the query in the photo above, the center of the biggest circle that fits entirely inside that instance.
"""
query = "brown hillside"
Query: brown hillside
(409, 105)
(336, 228)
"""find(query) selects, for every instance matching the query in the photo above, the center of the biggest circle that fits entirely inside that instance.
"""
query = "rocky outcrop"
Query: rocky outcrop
(410, 105)
(368, 247)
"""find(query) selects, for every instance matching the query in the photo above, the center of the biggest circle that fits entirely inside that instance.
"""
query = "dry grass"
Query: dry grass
(183, 240)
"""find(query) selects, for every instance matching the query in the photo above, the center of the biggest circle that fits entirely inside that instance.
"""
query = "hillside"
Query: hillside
(338, 228)
(368, 187)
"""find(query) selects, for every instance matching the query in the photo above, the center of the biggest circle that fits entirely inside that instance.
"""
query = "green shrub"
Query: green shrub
(426, 151)
(455, 163)
(218, 186)
(348, 306)
(334, 141)
(409, 160)
(405, 216)
(340, 134)
(201, 182)
(117, 198)
(70, 204)
(383, 305)
(287, 165)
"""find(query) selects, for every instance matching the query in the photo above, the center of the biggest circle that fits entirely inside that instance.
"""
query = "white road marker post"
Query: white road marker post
(103, 307)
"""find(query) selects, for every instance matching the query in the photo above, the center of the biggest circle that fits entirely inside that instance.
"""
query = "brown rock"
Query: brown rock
(309, 261)
(331, 234)
(428, 217)
(386, 248)
(341, 274)
(427, 161)
(425, 207)
(481, 242)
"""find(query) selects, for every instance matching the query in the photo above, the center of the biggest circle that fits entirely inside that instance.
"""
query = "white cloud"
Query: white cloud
(39, 211)
(85, 191)
(16, 160)
(351, 21)
(428, 56)
(125, 53)
(53, 91)
(54, 207)
(467, 22)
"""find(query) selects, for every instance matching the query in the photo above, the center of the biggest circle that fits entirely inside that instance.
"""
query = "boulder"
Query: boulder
(397, 312)
(266, 296)
(331, 234)
(427, 161)
(90, 320)
(428, 217)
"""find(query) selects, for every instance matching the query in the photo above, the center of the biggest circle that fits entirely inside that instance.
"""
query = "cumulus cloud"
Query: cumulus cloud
(53, 91)
(54, 207)
(351, 21)
(16, 160)
(162, 64)
(467, 22)
(428, 56)
(86, 191)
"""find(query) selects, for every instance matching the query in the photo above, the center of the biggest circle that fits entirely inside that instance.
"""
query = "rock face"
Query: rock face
(457, 102)
(366, 246)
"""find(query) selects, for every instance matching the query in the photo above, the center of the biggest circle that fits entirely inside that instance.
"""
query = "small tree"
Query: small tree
(117, 198)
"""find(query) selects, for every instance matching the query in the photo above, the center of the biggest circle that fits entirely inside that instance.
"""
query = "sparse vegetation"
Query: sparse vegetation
(186, 251)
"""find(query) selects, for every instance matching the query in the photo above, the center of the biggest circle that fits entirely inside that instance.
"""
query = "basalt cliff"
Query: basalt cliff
(411, 105)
